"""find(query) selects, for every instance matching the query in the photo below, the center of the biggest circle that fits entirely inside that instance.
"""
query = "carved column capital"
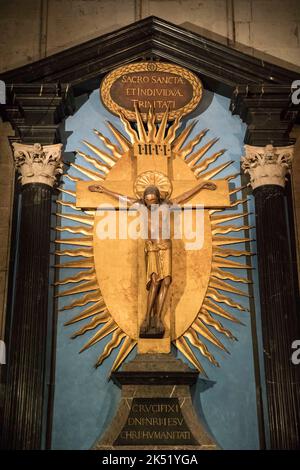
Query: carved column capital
(267, 165)
(38, 163)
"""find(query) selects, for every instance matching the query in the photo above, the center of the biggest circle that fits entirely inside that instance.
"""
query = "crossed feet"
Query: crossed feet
(152, 329)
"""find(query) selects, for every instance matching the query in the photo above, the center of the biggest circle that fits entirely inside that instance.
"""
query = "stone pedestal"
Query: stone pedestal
(156, 410)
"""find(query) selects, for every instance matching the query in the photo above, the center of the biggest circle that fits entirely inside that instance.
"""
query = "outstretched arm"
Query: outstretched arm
(98, 188)
(182, 198)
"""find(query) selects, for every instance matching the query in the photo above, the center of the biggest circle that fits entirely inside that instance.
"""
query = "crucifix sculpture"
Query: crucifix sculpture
(155, 289)
(155, 276)
(158, 246)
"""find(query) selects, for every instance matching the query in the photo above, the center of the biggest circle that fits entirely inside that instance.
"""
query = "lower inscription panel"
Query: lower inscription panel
(155, 421)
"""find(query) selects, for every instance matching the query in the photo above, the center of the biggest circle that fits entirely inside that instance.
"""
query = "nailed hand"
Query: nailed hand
(96, 188)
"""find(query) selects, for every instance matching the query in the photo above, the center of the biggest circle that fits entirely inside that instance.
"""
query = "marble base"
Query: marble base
(156, 410)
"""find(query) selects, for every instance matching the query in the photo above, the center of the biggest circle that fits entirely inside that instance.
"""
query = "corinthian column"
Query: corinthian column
(267, 167)
(37, 163)
(24, 409)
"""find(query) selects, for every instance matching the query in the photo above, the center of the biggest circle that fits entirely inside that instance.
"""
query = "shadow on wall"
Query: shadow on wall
(196, 391)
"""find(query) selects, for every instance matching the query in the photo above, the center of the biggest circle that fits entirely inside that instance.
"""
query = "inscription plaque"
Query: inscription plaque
(157, 84)
(155, 421)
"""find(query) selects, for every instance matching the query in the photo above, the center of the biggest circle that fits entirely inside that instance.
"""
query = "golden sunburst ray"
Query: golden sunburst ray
(82, 288)
(68, 191)
(82, 219)
(238, 202)
(237, 190)
(88, 241)
(223, 229)
(94, 309)
(116, 152)
(68, 204)
(223, 252)
(205, 316)
(189, 147)
(151, 125)
(98, 319)
(92, 175)
(86, 253)
(71, 178)
(218, 284)
(161, 132)
(81, 276)
(232, 176)
(213, 211)
(94, 296)
(140, 125)
(130, 131)
(179, 141)
(79, 229)
(108, 328)
(182, 345)
(160, 135)
(102, 167)
(219, 219)
(217, 297)
(227, 263)
(116, 339)
(202, 329)
(121, 139)
(171, 133)
(221, 274)
(90, 213)
(220, 311)
(215, 171)
(201, 167)
(196, 156)
(105, 157)
(126, 348)
(80, 264)
(220, 241)
(193, 338)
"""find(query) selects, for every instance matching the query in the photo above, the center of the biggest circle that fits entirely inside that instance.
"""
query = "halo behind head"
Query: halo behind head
(153, 179)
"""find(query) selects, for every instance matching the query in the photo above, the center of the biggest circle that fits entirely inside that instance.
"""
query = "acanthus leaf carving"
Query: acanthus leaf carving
(267, 165)
(38, 163)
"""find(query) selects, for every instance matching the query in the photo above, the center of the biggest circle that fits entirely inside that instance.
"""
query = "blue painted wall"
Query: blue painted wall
(85, 401)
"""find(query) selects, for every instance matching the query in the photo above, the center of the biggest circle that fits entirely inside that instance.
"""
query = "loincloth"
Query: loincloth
(158, 259)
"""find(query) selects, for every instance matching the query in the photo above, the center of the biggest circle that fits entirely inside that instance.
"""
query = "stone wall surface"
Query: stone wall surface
(33, 29)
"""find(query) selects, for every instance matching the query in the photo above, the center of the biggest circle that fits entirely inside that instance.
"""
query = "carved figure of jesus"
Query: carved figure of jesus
(158, 251)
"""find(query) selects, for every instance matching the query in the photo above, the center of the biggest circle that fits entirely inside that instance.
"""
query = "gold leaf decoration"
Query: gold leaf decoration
(97, 307)
(195, 153)
(116, 339)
